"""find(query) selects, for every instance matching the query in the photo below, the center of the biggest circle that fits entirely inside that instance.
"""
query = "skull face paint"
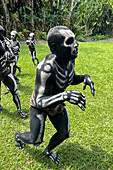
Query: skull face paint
(32, 36)
(63, 39)
(13, 35)
(70, 42)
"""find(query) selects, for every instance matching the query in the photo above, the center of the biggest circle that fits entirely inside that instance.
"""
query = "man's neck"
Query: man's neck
(62, 64)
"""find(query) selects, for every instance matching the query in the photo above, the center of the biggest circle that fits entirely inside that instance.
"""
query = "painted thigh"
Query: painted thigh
(61, 122)
(37, 125)
(10, 82)
(34, 54)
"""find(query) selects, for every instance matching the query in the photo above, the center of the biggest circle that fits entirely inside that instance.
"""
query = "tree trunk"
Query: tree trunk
(32, 22)
(51, 5)
(71, 9)
(5, 12)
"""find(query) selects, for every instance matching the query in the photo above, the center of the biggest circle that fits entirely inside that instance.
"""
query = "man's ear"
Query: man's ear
(53, 48)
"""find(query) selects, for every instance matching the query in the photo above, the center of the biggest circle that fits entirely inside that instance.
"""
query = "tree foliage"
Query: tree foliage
(82, 16)
(93, 16)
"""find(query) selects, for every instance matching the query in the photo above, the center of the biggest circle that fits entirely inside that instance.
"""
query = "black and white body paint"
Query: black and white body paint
(53, 75)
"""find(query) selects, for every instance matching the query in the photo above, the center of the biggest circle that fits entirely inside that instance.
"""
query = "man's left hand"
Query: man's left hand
(89, 81)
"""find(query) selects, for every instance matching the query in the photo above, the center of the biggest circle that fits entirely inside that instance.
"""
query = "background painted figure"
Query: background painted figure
(31, 43)
(6, 77)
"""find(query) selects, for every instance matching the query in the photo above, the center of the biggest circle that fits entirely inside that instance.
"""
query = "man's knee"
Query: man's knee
(36, 142)
(14, 92)
(65, 134)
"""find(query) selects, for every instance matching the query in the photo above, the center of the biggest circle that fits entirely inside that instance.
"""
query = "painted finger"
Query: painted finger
(92, 89)
(83, 103)
(84, 87)
(79, 105)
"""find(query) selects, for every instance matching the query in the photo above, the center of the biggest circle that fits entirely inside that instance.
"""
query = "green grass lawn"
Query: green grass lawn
(90, 146)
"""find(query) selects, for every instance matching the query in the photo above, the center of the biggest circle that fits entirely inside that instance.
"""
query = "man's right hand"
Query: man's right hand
(76, 98)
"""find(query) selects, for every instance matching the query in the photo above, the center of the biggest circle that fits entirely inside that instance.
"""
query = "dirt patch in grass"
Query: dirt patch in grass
(106, 40)
(44, 42)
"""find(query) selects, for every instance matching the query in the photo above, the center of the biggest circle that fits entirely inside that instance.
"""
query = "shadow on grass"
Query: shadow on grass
(25, 75)
(95, 158)
(27, 89)
(14, 115)
(74, 156)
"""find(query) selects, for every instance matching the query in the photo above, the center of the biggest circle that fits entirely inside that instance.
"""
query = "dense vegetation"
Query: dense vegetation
(83, 17)
(90, 146)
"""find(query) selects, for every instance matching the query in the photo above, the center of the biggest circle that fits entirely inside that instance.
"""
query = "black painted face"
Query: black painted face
(67, 48)
(1, 36)
(2, 31)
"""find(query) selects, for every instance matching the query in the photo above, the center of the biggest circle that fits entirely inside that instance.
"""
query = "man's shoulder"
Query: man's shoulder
(50, 58)
(47, 63)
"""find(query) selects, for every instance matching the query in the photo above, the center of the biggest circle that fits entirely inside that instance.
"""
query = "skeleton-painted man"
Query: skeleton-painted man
(16, 49)
(7, 78)
(32, 42)
(53, 75)
(12, 47)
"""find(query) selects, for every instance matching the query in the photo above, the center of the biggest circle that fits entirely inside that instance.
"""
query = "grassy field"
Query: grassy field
(90, 146)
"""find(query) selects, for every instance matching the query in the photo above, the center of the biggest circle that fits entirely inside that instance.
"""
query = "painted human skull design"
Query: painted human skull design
(70, 41)
(64, 43)
(13, 35)
(31, 36)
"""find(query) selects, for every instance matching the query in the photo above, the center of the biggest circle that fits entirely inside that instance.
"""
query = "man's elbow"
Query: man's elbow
(39, 104)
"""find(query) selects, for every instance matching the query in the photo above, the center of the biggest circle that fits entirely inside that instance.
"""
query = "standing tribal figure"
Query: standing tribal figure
(16, 49)
(13, 48)
(53, 75)
(32, 42)
(7, 78)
